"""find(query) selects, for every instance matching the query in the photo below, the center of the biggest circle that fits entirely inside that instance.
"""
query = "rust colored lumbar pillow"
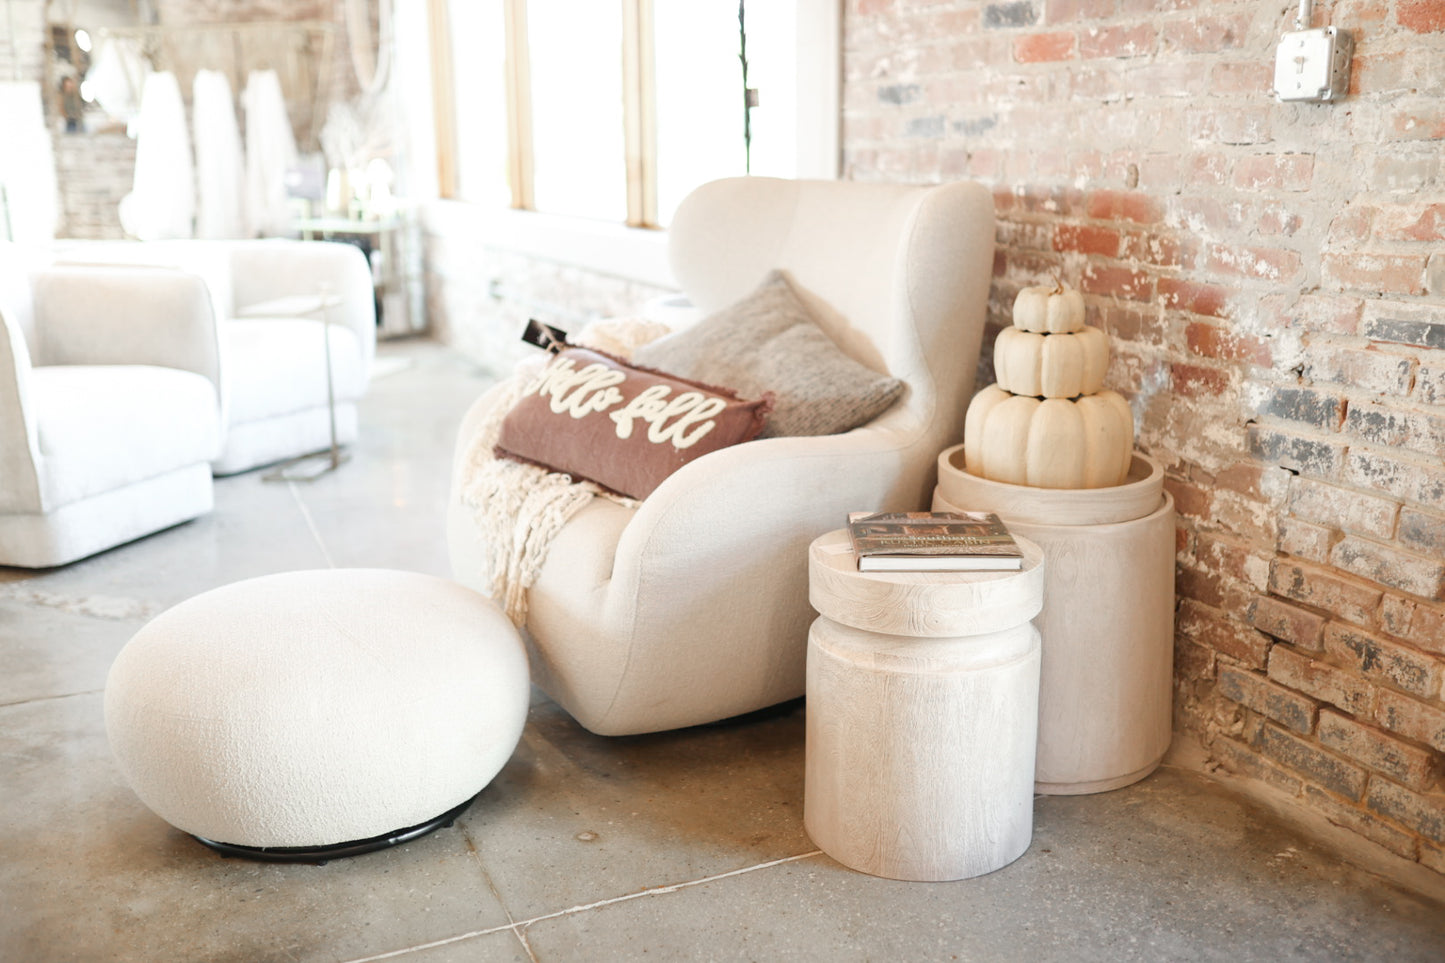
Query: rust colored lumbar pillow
(597, 418)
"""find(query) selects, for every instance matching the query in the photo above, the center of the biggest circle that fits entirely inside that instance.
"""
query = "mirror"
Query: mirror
(92, 89)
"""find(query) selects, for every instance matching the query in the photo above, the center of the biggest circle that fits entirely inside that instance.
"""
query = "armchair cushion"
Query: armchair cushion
(596, 418)
(770, 342)
(277, 366)
(102, 427)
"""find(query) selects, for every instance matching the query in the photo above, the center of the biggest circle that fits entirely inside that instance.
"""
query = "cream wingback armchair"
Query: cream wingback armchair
(109, 407)
(693, 606)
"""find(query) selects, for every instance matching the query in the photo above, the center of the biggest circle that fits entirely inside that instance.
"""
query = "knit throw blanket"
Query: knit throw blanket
(520, 508)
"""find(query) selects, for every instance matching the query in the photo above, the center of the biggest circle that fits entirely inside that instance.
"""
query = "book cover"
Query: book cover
(932, 541)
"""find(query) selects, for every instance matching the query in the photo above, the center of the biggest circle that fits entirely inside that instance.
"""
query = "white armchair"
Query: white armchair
(694, 606)
(265, 298)
(109, 407)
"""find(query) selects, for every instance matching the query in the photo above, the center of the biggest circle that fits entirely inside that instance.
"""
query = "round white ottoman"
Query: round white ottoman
(317, 714)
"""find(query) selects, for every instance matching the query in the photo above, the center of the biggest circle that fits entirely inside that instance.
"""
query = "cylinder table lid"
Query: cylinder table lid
(1136, 497)
(921, 604)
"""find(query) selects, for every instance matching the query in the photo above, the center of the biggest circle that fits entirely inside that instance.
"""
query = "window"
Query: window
(615, 109)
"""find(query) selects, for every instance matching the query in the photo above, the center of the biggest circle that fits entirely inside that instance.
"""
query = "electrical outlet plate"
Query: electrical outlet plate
(1313, 65)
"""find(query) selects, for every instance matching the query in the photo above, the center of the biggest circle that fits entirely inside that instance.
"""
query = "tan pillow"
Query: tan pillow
(770, 341)
(597, 418)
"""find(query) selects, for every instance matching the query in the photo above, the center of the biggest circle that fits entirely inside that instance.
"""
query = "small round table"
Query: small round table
(922, 717)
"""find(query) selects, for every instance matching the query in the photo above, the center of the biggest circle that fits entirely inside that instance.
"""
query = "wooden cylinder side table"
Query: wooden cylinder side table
(1107, 626)
(922, 715)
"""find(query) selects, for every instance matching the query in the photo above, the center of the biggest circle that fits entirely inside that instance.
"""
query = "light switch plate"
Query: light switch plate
(1313, 64)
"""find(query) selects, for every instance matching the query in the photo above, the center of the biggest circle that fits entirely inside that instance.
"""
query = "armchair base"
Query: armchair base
(102, 521)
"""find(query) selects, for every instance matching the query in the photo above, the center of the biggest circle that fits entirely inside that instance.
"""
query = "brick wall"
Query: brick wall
(94, 172)
(479, 298)
(1273, 279)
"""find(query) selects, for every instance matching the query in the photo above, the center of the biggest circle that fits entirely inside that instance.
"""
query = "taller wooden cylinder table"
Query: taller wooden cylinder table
(922, 715)
(1106, 684)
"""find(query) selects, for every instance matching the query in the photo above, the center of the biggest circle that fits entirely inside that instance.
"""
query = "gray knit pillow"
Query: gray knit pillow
(770, 342)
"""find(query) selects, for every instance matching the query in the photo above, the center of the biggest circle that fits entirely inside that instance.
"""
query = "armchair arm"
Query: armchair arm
(125, 315)
(770, 497)
(19, 444)
(277, 268)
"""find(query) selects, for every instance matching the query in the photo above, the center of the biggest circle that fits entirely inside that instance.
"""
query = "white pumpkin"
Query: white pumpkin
(1051, 365)
(1049, 308)
(1053, 443)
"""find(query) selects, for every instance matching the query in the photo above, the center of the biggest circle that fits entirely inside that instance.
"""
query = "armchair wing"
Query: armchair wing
(693, 607)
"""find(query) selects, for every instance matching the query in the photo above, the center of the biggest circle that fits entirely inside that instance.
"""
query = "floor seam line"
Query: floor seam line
(310, 523)
(51, 698)
(393, 954)
(666, 890)
(516, 927)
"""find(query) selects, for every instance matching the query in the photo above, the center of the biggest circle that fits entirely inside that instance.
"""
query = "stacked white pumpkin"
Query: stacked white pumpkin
(1049, 422)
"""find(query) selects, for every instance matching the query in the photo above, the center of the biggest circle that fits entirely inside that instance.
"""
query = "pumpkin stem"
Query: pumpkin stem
(1058, 284)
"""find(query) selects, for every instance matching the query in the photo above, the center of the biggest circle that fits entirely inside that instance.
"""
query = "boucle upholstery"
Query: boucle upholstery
(693, 606)
(313, 708)
(109, 407)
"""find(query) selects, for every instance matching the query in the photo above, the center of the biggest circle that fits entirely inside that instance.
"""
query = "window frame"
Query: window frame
(635, 250)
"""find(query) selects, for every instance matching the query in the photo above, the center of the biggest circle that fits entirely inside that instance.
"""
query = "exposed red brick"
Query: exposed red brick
(1412, 719)
(1376, 273)
(1381, 752)
(1086, 239)
(1377, 658)
(1128, 321)
(1316, 765)
(1212, 168)
(1193, 381)
(1411, 223)
(1153, 248)
(1192, 660)
(1432, 856)
(1195, 297)
(1269, 699)
(1290, 623)
(1189, 499)
(1224, 635)
(1321, 680)
(1123, 206)
(1212, 341)
(1422, 812)
(1359, 821)
(1120, 282)
(1427, 627)
(1322, 588)
(1421, 16)
(1044, 48)
(1245, 761)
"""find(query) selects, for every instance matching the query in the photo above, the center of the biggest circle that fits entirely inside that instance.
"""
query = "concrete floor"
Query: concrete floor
(686, 845)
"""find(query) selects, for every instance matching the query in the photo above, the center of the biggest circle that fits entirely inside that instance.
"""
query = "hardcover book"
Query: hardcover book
(933, 542)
